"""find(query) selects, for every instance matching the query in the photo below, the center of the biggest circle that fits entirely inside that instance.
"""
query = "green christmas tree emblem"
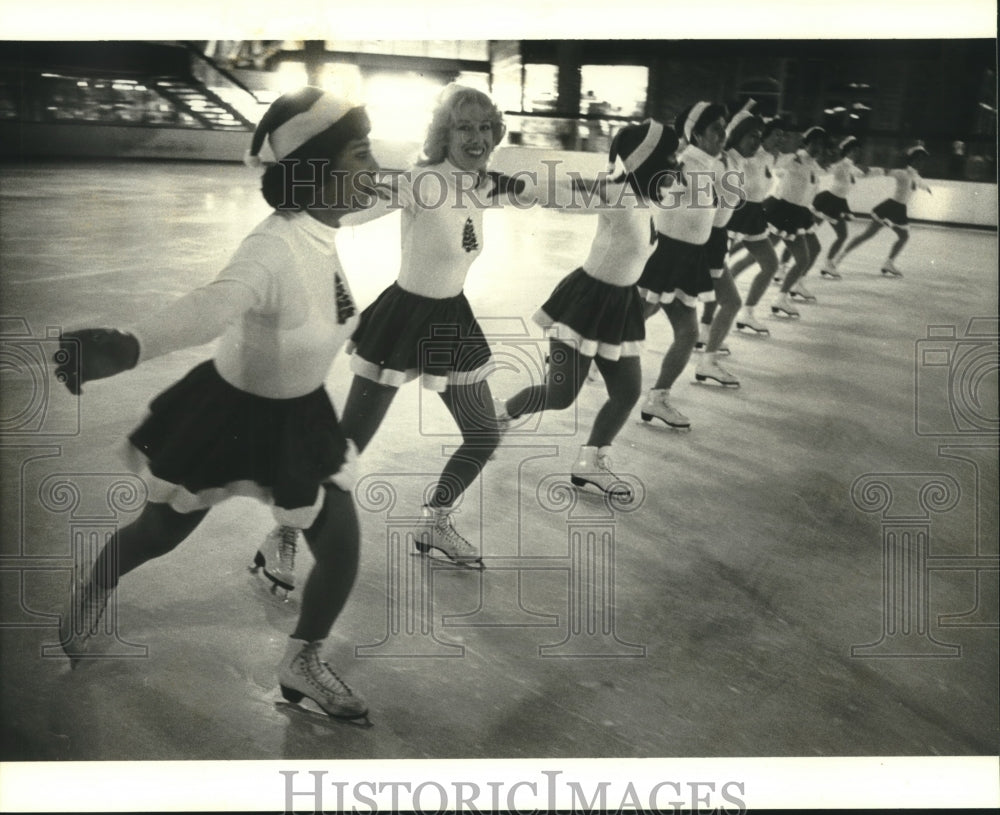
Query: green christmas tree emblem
(469, 242)
(345, 305)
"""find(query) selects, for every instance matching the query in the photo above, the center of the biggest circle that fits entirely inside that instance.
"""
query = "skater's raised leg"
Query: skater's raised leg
(869, 233)
(565, 375)
(158, 530)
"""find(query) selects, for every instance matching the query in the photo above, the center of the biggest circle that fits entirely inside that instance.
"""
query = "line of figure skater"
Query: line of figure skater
(672, 208)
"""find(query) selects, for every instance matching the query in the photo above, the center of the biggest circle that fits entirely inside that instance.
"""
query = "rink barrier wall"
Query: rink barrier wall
(953, 203)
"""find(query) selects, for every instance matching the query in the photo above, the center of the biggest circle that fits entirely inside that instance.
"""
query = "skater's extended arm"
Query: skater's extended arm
(385, 197)
(196, 318)
(574, 194)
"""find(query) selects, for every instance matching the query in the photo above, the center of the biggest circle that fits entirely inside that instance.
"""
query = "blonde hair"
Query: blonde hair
(452, 99)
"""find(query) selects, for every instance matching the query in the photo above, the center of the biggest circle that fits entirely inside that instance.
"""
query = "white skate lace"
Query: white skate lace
(618, 488)
(321, 675)
(287, 545)
(445, 526)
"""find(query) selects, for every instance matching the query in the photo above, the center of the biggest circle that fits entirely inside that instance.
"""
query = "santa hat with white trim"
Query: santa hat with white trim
(307, 123)
(645, 151)
(814, 133)
(744, 121)
(847, 144)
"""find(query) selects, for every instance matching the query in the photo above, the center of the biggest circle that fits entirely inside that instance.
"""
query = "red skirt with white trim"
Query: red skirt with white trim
(205, 440)
(832, 207)
(676, 271)
(598, 318)
(716, 250)
(403, 336)
(787, 220)
(748, 222)
(891, 213)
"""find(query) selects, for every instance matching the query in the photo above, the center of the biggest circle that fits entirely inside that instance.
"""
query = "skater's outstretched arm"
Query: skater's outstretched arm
(385, 197)
(196, 318)
(574, 194)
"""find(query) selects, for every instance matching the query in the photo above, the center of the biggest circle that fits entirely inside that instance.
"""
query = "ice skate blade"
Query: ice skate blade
(758, 332)
(648, 419)
(803, 298)
(722, 352)
(426, 550)
(272, 595)
(295, 696)
(703, 379)
(260, 563)
(890, 273)
(295, 710)
(830, 275)
(784, 313)
(619, 492)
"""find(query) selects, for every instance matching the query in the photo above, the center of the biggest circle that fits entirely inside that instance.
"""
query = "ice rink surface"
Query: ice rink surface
(811, 571)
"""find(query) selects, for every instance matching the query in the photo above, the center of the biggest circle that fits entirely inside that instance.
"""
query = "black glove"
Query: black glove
(94, 353)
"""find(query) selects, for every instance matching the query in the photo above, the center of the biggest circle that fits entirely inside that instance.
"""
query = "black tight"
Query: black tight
(566, 374)
(333, 539)
(840, 230)
(471, 406)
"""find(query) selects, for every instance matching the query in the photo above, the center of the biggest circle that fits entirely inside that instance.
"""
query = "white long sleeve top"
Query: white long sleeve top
(689, 207)
(282, 306)
(798, 178)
